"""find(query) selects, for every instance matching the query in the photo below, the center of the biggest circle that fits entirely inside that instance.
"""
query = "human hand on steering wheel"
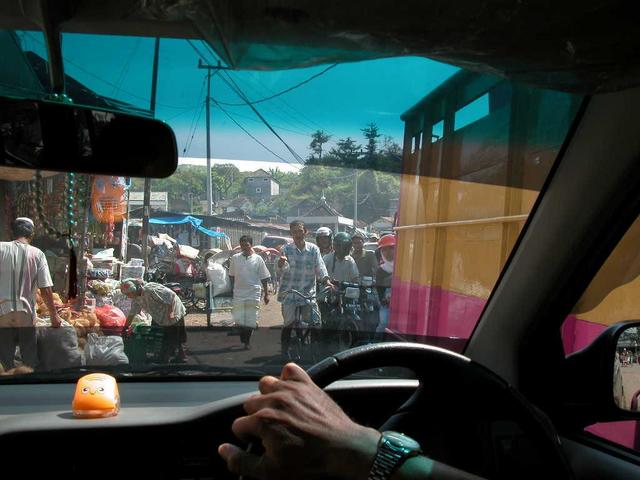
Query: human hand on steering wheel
(305, 434)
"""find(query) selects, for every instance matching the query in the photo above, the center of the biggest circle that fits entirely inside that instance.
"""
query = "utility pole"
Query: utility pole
(209, 69)
(355, 200)
(355, 194)
(147, 181)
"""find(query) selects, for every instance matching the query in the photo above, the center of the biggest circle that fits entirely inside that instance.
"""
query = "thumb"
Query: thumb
(241, 462)
(292, 371)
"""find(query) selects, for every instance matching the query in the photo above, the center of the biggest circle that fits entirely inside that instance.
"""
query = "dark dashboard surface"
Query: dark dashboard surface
(164, 429)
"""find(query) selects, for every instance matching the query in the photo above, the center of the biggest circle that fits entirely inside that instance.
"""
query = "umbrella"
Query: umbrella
(222, 256)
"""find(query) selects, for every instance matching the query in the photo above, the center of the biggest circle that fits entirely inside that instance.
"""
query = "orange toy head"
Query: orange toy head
(108, 199)
(96, 396)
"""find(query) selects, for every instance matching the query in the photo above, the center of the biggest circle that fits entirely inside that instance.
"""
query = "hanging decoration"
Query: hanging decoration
(109, 202)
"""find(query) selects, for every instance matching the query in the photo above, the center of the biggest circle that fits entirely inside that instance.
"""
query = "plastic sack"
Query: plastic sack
(219, 278)
(108, 350)
(110, 317)
(188, 252)
(57, 347)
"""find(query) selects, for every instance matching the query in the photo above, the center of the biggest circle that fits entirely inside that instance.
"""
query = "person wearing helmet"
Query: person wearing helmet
(387, 248)
(340, 265)
(324, 240)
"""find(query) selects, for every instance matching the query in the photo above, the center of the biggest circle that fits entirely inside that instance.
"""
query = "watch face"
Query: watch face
(401, 439)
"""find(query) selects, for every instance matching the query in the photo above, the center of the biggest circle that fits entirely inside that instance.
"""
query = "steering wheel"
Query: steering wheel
(485, 407)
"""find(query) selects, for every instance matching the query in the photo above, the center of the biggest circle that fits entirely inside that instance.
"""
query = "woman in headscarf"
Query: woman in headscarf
(166, 310)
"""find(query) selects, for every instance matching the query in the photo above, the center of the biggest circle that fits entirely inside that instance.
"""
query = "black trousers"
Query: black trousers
(174, 336)
(10, 338)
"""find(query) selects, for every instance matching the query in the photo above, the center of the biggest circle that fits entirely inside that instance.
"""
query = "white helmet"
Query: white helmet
(324, 232)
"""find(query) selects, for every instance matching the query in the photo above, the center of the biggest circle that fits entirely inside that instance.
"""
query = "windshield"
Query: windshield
(347, 204)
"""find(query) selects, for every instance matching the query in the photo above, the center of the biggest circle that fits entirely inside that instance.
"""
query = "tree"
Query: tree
(318, 139)
(371, 133)
(347, 152)
(226, 179)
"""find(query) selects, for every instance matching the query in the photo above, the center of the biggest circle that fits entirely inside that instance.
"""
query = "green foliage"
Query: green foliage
(227, 181)
(318, 139)
(371, 133)
(323, 174)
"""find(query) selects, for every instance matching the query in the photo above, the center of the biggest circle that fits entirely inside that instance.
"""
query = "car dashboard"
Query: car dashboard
(164, 429)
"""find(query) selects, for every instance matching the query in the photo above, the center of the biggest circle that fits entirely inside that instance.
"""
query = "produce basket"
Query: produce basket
(145, 344)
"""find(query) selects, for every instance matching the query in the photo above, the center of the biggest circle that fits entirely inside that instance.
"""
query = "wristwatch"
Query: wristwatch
(393, 449)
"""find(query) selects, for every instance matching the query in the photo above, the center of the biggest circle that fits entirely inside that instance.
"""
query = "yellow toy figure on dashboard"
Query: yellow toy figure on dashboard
(96, 396)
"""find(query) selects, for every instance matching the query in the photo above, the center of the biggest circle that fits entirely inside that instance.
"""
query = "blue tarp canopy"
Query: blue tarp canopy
(196, 222)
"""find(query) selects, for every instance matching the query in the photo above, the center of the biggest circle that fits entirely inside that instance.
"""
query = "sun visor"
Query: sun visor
(583, 47)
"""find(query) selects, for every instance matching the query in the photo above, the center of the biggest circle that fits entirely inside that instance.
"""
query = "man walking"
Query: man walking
(249, 276)
(301, 265)
(23, 268)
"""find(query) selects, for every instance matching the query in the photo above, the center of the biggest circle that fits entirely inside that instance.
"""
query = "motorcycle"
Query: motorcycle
(344, 312)
(190, 290)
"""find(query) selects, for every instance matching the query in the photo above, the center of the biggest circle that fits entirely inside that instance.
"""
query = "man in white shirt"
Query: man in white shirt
(249, 276)
(23, 268)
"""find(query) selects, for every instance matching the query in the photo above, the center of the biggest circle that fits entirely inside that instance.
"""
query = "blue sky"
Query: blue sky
(341, 101)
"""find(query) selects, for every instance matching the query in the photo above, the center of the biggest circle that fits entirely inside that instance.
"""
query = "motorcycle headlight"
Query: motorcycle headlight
(352, 292)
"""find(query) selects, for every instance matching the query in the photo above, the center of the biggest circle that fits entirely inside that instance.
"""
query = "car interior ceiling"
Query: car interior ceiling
(524, 312)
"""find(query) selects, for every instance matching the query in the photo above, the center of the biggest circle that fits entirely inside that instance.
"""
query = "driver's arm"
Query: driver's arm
(305, 434)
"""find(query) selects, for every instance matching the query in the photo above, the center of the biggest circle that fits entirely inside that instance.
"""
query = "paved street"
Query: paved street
(220, 345)
(630, 382)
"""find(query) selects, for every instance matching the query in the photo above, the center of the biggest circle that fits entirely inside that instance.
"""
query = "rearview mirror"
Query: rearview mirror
(64, 137)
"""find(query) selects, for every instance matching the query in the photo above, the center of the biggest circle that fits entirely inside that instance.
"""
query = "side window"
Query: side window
(612, 296)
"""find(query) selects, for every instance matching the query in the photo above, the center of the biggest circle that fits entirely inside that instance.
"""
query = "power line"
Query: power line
(167, 119)
(234, 86)
(255, 102)
(297, 132)
(195, 125)
(248, 133)
(241, 94)
(200, 54)
(295, 112)
(125, 68)
(282, 113)
(194, 121)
